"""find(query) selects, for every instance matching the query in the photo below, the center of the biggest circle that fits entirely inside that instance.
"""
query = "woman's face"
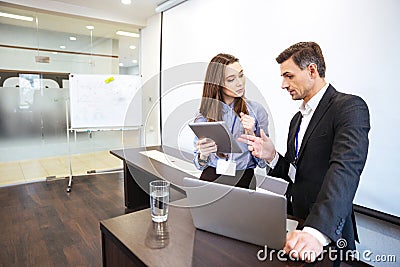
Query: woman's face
(234, 82)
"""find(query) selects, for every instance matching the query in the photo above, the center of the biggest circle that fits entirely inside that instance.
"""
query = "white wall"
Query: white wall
(150, 68)
(359, 39)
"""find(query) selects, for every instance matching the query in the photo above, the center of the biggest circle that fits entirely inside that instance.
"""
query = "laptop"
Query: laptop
(244, 214)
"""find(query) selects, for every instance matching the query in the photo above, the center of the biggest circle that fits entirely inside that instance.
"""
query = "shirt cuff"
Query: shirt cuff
(197, 164)
(260, 162)
(273, 162)
(318, 235)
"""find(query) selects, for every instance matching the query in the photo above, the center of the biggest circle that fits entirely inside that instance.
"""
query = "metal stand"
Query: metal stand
(69, 186)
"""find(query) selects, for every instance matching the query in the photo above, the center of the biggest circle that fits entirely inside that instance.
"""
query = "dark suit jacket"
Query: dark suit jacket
(331, 158)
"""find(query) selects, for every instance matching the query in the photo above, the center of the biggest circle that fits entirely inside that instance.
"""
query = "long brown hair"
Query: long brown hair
(211, 102)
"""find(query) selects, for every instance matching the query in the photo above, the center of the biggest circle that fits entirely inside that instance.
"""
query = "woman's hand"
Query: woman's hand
(206, 146)
(248, 123)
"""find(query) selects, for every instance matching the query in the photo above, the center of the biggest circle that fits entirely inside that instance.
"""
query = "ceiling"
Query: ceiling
(72, 17)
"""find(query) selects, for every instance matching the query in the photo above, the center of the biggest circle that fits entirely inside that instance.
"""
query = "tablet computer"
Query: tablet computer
(219, 132)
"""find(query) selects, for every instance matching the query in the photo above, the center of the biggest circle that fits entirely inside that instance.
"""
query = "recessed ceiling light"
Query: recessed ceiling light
(63, 46)
(126, 2)
(121, 64)
(90, 27)
(132, 47)
(129, 34)
(55, 53)
(72, 38)
(134, 61)
(13, 16)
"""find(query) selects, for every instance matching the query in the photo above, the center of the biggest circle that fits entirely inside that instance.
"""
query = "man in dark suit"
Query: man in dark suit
(327, 147)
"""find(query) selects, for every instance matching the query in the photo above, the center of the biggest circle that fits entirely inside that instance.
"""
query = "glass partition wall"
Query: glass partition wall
(38, 54)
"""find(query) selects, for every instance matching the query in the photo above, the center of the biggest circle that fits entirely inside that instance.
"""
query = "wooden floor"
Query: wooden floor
(42, 225)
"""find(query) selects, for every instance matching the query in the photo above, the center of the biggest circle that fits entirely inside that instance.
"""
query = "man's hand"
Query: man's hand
(260, 147)
(302, 245)
(248, 123)
(206, 146)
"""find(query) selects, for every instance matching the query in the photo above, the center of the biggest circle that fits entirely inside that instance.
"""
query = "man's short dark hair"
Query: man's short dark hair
(304, 54)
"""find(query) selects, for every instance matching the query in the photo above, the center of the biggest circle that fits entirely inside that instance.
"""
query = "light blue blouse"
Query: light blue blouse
(243, 160)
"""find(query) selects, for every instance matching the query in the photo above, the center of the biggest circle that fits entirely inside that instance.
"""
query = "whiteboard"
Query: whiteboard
(105, 101)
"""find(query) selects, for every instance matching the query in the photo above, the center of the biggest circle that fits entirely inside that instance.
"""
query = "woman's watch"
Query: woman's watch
(202, 161)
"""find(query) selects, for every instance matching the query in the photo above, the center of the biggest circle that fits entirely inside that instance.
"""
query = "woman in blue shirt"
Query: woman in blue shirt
(223, 100)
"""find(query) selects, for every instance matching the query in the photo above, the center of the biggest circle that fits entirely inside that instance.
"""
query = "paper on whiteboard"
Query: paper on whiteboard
(179, 164)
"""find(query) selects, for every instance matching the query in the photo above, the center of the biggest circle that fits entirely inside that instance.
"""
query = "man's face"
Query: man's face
(296, 81)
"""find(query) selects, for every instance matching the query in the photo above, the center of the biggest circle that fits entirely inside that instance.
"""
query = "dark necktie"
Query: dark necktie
(296, 139)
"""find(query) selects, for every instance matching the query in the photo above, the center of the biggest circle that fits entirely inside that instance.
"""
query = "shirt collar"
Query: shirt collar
(312, 104)
(227, 108)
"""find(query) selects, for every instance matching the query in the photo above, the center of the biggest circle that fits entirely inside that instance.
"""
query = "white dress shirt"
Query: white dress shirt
(307, 110)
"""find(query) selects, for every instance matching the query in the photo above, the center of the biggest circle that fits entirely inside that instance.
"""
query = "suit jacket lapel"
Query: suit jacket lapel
(317, 116)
